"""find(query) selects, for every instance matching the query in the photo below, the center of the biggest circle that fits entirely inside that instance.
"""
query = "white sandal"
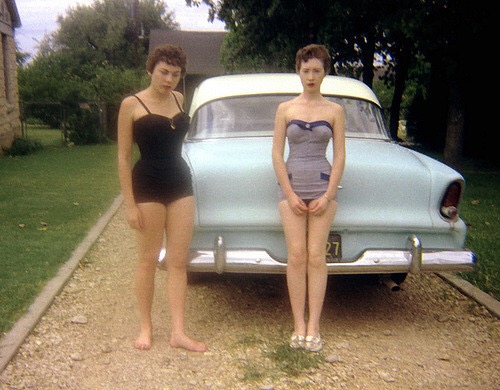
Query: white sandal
(297, 341)
(313, 344)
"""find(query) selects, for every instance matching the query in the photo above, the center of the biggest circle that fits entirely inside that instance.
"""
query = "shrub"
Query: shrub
(84, 126)
(23, 146)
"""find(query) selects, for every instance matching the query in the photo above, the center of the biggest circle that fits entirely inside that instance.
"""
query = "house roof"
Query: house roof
(201, 47)
(14, 14)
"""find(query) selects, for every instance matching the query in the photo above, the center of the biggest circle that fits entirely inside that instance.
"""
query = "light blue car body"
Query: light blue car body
(389, 199)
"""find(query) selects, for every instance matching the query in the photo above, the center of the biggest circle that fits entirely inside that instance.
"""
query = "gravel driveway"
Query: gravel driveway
(425, 336)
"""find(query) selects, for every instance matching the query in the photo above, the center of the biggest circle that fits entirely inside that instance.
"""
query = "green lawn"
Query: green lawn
(48, 202)
(48, 137)
(480, 212)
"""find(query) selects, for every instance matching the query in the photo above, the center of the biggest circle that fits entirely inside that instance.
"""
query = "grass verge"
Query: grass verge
(48, 202)
(480, 211)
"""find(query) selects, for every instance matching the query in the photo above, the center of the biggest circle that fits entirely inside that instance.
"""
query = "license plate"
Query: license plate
(334, 247)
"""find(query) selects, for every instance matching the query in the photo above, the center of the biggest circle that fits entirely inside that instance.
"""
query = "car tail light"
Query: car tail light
(451, 200)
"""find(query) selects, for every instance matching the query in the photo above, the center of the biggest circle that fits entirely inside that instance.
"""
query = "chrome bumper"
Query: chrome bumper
(413, 259)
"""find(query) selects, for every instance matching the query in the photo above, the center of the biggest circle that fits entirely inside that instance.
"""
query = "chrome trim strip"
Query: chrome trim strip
(220, 256)
(415, 249)
(377, 261)
(371, 262)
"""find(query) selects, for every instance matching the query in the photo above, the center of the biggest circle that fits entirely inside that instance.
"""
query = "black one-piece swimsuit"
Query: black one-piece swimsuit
(161, 174)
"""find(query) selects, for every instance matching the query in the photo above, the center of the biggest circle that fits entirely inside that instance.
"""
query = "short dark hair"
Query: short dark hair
(313, 51)
(170, 54)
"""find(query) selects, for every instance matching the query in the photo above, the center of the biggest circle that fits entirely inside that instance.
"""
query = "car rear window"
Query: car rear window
(253, 116)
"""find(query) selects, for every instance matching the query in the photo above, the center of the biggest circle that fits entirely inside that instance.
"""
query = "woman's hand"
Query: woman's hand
(134, 218)
(318, 206)
(297, 205)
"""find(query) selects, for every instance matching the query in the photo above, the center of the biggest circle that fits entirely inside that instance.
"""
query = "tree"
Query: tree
(442, 33)
(49, 78)
(268, 32)
(401, 27)
(261, 36)
(451, 43)
(92, 57)
(112, 31)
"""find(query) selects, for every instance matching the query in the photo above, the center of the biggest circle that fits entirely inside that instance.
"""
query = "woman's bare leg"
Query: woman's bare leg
(150, 240)
(294, 227)
(179, 232)
(319, 228)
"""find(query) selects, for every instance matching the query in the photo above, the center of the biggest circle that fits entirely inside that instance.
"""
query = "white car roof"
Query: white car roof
(274, 83)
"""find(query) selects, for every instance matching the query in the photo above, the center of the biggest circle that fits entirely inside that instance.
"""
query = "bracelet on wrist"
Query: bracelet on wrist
(324, 195)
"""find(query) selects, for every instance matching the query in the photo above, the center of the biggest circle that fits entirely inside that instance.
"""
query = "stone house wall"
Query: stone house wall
(10, 124)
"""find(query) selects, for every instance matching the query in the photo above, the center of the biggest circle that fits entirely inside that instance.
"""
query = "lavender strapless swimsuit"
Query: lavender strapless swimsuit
(307, 166)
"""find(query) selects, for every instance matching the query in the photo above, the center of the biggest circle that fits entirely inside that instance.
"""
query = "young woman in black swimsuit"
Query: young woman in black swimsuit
(157, 192)
(308, 187)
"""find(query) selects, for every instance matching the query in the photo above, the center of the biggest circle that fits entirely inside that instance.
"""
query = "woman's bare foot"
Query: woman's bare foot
(144, 341)
(183, 341)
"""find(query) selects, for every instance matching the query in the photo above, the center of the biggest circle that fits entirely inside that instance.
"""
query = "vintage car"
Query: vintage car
(398, 209)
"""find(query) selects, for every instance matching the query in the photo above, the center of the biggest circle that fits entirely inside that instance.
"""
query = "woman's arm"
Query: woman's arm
(338, 152)
(279, 139)
(125, 143)
(318, 206)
